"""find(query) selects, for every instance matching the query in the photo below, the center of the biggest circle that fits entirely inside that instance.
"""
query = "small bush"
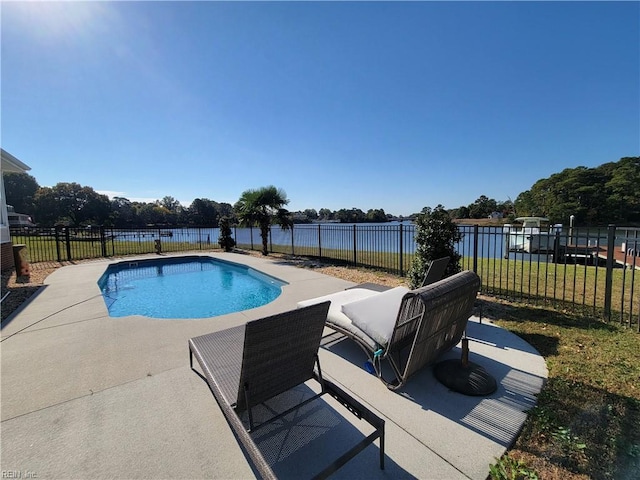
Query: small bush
(436, 237)
(225, 240)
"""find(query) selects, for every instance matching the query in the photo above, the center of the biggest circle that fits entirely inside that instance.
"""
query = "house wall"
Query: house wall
(9, 163)
(4, 217)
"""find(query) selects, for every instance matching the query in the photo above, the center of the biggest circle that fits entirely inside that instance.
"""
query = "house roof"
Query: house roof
(12, 164)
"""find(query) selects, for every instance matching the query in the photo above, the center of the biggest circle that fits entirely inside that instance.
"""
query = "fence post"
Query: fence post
(401, 251)
(355, 246)
(293, 251)
(57, 237)
(103, 241)
(611, 237)
(251, 235)
(319, 242)
(67, 238)
(475, 248)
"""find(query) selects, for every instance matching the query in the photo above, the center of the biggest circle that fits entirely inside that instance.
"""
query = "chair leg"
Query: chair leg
(382, 447)
(245, 388)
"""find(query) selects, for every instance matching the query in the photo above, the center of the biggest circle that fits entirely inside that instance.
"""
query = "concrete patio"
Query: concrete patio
(85, 395)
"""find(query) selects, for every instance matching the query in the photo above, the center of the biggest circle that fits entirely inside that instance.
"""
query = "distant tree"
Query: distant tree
(505, 208)
(523, 205)
(325, 214)
(354, 215)
(436, 236)
(623, 190)
(20, 190)
(262, 207)
(226, 210)
(169, 203)
(122, 212)
(595, 196)
(71, 203)
(482, 207)
(203, 211)
(376, 216)
(173, 212)
(462, 212)
(300, 217)
(311, 214)
(153, 214)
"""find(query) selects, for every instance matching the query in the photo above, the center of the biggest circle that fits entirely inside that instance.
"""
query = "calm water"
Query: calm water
(188, 287)
(378, 237)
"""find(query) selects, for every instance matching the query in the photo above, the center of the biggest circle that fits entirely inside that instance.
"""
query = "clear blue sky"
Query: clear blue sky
(362, 104)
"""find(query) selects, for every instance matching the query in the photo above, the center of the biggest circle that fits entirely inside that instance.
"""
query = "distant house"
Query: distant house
(495, 215)
(9, 164)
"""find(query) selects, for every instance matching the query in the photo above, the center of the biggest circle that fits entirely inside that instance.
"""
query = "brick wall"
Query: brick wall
(7, 256)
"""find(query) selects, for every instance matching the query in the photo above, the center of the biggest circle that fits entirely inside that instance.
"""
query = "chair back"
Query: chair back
(279, 353)
(432, 320)
(436, 271)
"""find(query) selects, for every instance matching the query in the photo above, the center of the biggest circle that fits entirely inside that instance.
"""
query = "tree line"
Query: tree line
(73, 204)
(602, 195)
(607, 194)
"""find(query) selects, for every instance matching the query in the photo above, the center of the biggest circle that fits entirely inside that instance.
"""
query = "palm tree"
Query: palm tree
(262, 207)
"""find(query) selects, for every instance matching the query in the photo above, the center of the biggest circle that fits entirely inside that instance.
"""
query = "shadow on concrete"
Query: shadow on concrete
(499, 416)
(304, 442)
(17, 300)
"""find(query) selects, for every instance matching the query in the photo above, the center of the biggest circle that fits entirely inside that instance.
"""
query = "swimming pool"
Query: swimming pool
(185, 287)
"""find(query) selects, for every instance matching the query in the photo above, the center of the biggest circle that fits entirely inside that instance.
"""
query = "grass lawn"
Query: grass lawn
(585, 424)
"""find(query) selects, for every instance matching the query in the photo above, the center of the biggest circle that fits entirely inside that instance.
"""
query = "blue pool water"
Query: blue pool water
(185, 287)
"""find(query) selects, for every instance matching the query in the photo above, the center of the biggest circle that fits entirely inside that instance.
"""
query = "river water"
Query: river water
(391, 237)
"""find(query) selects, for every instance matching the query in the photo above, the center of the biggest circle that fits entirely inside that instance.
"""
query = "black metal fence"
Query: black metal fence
(68, 243)
(595, 269)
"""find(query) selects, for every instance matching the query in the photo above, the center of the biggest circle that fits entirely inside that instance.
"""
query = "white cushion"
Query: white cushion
(376, 315)
(337, 299)
(340, 298)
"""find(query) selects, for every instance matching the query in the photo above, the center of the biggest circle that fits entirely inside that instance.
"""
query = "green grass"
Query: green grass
(570, 286)
(587, 416)
(564, 286)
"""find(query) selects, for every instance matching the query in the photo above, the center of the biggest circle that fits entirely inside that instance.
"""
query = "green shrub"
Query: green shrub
(225, 240)
(436, 237)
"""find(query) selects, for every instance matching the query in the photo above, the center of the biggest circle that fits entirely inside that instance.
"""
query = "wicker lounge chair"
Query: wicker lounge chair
(408, 329)
(247, 365)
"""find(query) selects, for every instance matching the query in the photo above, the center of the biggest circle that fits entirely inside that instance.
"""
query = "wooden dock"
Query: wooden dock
(621, 258)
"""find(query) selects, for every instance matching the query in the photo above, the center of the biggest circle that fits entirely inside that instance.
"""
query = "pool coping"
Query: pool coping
(85, 395)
